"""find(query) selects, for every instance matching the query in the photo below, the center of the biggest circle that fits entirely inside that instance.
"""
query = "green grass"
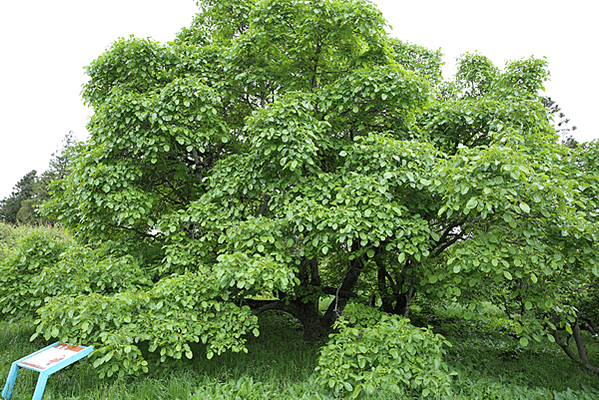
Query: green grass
(490, 364)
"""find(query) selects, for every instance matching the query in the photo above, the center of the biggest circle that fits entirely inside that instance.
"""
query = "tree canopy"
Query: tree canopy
(278, 153)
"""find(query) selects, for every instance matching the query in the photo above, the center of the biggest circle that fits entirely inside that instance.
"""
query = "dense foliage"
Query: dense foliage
(23, 258)
(374, 350)
(277, 153)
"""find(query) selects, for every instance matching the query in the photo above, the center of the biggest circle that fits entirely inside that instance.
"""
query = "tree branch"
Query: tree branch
(587, 365)
(264, 206)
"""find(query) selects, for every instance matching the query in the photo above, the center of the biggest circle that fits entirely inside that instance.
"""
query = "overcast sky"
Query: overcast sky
(46, 44)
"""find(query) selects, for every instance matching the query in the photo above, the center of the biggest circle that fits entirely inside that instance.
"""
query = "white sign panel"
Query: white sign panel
(52, 356)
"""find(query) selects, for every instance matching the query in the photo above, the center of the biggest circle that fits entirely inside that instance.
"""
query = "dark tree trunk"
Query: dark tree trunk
(395, 297)
(310, 318)
(307, 313)
(305, 309)
(344, 291)
(582, 358)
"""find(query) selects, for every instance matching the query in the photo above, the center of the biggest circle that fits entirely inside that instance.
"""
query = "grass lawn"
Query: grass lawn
(489, 361)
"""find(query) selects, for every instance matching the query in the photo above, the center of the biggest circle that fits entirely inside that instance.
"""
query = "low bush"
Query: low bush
(23, 261)
(391, 353)
(104, 269)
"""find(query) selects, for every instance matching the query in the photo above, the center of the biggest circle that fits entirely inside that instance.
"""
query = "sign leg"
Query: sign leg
(10, 382)
(41, 385)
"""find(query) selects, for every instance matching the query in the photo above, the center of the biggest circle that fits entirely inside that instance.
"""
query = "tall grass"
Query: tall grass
(491, 363)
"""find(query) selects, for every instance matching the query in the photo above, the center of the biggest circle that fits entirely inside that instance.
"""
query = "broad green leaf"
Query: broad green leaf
(528, 305)
(472, 203)
(525, 208)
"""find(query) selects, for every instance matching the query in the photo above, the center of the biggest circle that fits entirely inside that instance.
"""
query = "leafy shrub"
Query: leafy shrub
(390, 353)
(104, 269)
(20, 268)
(40, 263)
(127, 327)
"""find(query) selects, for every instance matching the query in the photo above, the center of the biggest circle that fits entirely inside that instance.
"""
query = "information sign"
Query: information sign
(45, 361)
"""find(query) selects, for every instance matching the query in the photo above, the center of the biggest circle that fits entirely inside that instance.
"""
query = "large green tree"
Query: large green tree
(280, 152)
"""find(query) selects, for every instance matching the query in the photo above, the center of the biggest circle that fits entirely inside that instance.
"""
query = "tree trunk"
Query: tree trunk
(402, 306)
(308, 314)
(398, 302)
(582, 358)
(316, 326)
(347, 286)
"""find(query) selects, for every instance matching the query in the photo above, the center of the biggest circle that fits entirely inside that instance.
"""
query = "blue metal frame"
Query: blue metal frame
(44, 374)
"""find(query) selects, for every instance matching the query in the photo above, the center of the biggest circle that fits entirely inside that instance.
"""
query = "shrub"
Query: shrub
(391, 353)
(20, 267)
(166, 319)
(104, 269)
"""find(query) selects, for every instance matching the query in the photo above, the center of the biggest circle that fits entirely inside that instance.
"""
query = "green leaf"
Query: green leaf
(507, 275)
(528, 305)
(524, 341)
(472, 203)
(525, 208)
(569, 329)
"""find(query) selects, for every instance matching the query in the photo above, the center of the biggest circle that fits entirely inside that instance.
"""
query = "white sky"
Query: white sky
(46, 44)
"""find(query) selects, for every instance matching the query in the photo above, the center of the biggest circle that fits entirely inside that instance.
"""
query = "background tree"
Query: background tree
(60, 161)
(32, 190)
(562, 126)
(23, 191)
